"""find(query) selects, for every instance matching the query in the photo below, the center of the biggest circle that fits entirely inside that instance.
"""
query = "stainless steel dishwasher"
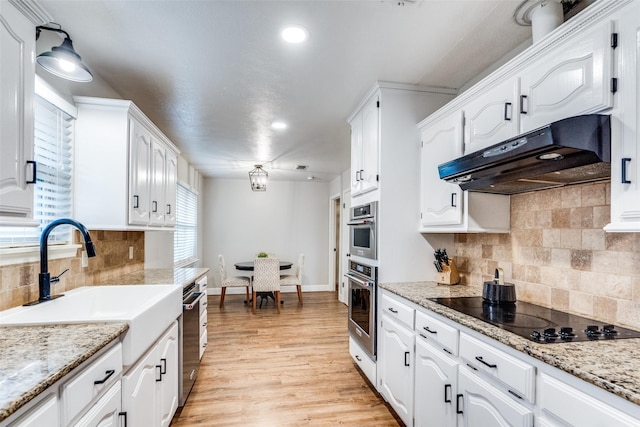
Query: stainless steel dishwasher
(190, 334)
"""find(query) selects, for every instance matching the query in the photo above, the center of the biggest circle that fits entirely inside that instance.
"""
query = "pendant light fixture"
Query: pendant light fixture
(258, 178)
(63, 60)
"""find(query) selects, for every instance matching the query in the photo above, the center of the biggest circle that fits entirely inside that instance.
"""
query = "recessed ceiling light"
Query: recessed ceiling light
(294, 34)
(279, 125)
(311, 177)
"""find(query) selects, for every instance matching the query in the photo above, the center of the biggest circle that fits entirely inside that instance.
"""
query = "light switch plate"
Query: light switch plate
(130, 252)
(85, 259)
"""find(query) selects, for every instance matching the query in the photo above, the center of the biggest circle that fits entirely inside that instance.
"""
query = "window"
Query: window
(53, 154)
(185, 237)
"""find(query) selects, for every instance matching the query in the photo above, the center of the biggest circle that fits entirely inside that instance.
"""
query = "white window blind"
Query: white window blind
(185, 237)
(53, 154)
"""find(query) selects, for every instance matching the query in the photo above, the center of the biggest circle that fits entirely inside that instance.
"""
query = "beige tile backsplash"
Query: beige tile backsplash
(558, 255)
(19, 282)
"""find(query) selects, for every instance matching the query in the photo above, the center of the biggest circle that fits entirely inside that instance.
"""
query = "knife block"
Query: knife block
(449, 275)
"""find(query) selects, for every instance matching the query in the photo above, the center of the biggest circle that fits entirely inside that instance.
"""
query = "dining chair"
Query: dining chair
(266, 278)
(234, 281)
(295, 279)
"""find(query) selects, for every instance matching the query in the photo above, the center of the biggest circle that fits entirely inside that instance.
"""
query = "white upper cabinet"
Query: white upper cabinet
(492, 116)
(444, 207)
(365, 147)
(17, 74)
(128, 167)
(571, 79)
(625, 147)
(440, 201)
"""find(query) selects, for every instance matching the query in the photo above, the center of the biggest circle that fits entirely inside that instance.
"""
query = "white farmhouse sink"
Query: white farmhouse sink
(148, 309)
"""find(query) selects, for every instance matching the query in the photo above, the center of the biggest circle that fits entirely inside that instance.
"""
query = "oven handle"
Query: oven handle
(365, 283)
(192, 304)
(361, 222)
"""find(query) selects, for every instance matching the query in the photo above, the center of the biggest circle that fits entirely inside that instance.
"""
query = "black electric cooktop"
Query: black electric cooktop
(539, 324)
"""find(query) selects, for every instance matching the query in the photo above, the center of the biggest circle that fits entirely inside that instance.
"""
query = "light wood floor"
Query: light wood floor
(291, 369)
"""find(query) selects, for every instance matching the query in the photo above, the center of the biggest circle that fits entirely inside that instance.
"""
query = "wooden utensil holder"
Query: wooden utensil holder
(449, 274)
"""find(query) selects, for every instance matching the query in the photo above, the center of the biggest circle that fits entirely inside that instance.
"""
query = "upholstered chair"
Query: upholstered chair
(266, 278)
(295, 279)
(235, 281)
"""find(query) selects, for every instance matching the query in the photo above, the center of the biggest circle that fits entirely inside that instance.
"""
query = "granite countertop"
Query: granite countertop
(611, 365)
(32, 358)
(158, 276)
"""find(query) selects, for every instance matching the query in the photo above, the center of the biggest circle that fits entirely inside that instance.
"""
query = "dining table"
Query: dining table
(249, 266)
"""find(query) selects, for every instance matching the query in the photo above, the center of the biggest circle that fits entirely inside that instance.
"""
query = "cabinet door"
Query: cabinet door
(625, 135)
(44, 414)
(106, 412)
(370, 146)
(356, 153)
(491, 116)
(480, 404)
(395, 367)
(441, 202)
(171, 177)
(562, 405)
(157, 187)
(16, 115)
(139, 180)
(573, 78)
(168, 387)
(436, 378)
(139, 391)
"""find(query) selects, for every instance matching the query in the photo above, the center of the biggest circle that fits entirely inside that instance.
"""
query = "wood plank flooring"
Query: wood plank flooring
(292, 369)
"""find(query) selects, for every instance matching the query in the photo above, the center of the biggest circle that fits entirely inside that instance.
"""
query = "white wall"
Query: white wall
(290, 218)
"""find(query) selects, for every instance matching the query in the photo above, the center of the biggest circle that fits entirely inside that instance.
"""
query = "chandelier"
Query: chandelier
(258, 179)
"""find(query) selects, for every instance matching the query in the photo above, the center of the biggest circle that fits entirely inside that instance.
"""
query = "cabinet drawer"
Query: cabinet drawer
(203, 321)
(91, 382)
(397, 310)
(203, 342)
(438, 333)
(363, 361)
(558, 400)
(517, 375)
(203, 303)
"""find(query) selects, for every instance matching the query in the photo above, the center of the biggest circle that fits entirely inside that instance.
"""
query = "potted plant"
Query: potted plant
(262, 255)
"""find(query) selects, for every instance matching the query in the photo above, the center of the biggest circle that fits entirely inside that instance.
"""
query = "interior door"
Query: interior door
(343, 294)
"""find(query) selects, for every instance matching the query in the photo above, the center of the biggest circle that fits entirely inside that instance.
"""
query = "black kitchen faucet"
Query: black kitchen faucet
(44, 279)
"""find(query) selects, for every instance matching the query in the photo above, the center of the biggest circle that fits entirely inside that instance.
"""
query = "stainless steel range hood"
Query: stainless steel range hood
(570, 151)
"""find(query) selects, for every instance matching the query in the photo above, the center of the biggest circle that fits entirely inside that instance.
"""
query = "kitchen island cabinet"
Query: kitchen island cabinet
(526, 381)
(129, 168)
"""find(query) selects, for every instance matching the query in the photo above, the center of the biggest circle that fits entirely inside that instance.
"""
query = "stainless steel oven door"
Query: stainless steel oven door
(362, 238)
(362, 313)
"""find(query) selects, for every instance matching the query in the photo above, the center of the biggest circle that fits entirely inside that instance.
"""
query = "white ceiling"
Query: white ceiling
(213, 75)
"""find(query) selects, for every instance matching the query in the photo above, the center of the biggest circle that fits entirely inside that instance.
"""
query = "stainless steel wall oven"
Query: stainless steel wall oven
(362, 305)
(363, 233)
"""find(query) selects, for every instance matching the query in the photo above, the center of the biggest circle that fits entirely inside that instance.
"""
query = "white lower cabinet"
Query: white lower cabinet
(150, 387)
(562, 405)
(440, 373)
(436, 385)
(43, 414)
(202, 285)
(478, 403)
(106, 412)
(363, 360)
(395, 367)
